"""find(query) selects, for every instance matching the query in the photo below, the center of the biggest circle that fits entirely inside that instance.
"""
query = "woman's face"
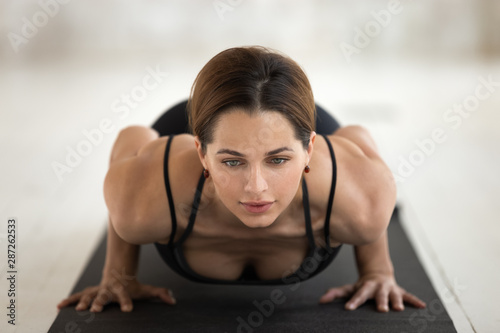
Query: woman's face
(255, 164)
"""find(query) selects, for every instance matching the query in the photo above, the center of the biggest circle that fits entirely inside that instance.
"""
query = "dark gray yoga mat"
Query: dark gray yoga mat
(220, 308)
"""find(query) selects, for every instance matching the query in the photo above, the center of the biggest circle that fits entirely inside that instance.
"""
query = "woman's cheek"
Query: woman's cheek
(223, 179)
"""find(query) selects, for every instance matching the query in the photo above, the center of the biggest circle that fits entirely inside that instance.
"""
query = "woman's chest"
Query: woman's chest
(273, 256)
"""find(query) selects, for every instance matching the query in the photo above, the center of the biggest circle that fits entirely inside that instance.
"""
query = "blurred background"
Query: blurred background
(422, 76)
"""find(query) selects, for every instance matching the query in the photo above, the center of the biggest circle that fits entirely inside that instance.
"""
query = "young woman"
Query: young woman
(274, 185)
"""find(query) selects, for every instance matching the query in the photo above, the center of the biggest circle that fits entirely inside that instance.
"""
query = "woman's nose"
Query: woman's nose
(256, 182)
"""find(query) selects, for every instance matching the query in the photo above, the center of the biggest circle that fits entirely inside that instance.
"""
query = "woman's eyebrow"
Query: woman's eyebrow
(235, 153)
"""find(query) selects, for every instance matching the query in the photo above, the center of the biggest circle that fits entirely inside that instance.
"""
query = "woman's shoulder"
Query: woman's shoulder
(365, 189)
(182, 166)
(182, 155)
(147, 186)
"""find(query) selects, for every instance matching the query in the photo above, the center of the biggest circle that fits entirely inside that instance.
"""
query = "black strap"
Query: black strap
(194, 208)
(169, 192)
(307, 214)
(332, 193)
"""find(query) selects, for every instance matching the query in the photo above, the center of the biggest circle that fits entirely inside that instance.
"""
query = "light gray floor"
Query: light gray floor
(450, 200)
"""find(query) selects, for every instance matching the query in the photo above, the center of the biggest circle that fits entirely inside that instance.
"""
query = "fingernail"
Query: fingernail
(350, 306)
(126, 308)
(385, 308)
(174, 300)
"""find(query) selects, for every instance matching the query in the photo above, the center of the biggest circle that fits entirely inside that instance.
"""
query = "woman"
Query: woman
(267, 210)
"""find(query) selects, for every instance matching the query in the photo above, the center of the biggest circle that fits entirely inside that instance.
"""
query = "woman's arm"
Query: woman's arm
(129, 185)
(365, 194)
(119, 283)
(376, 272)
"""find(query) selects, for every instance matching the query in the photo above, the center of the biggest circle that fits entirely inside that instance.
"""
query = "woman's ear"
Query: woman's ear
(199, 149)
(310, 147)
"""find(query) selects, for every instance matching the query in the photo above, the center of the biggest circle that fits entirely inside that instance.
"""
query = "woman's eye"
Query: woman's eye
(278, 161)
(232, 163)
(274, 161)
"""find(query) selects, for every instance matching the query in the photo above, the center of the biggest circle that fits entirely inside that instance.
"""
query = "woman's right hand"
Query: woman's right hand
(111, 290)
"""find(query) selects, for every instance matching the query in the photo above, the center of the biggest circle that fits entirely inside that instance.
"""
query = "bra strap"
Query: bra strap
(169, 192)
(307, 214)
(194, 208)
(332, 193)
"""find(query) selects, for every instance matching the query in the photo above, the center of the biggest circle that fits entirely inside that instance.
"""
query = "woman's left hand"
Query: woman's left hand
(381, 287)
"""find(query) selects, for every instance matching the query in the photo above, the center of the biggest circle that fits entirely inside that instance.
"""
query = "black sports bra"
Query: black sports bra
(317, 259)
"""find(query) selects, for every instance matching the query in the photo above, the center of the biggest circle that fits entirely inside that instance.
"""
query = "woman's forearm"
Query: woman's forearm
(121, 257)
(374, 257)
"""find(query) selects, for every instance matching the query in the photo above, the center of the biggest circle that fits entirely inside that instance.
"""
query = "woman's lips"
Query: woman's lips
(257, 206)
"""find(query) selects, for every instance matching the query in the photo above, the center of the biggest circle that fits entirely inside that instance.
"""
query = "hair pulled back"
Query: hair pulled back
(252, 79)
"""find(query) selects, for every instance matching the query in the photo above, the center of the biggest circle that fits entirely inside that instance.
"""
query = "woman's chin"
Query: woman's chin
(257, 222)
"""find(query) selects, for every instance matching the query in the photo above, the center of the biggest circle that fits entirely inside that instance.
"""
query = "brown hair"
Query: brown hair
(252, 79)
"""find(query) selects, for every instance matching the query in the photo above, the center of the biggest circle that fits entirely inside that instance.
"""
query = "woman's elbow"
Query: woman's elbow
(376, 218)
(126, 229)
(372, 228)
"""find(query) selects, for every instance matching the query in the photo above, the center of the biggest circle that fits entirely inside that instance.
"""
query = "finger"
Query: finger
(84, 302)
(163, 293)
(104, 296)
(382, 299)
(396, 300)
(70, 300)
(413, 300)
(363, 293)
(125, 301)
(338, 292)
